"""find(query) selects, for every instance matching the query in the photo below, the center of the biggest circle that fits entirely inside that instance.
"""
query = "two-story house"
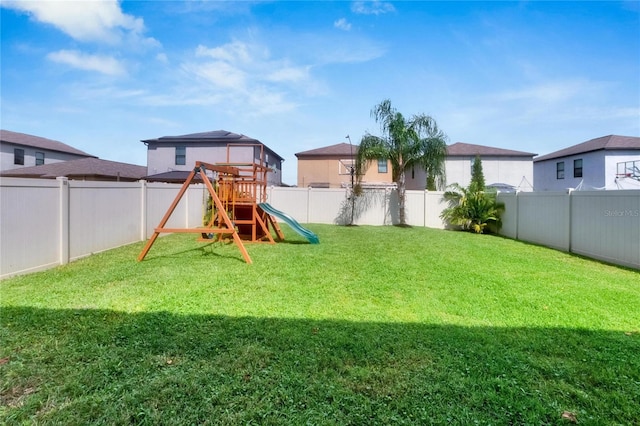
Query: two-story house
(171, 158)
(607, 162)
(503, 169)
(331, 167)
(28, 156)
(20, 150)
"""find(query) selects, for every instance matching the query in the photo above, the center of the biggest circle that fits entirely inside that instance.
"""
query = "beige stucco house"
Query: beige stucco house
(330, 167)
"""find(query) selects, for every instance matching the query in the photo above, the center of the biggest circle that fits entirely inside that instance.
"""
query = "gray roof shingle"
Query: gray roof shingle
(466, 149)
(611, 142)
(38, 142)
(212, 136)
(457, 149)
(341, 149)
(82, 168)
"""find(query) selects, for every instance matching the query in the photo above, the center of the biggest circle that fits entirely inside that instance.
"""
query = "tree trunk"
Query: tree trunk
(401, 198)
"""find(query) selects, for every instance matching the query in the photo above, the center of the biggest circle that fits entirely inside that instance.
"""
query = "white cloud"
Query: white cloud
(86, 21)
(289, 74)
(551, 92)
(102, 64)
(218, 73)
(342, 24)
(246, 75)
(375, 7)
(236, 51)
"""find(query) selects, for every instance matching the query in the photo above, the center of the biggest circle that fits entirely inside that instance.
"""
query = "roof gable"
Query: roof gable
(461, 149)
(38, 142)
(611, 142)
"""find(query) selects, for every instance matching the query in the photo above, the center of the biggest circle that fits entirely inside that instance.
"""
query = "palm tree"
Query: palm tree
(471, 209)
(405, 143)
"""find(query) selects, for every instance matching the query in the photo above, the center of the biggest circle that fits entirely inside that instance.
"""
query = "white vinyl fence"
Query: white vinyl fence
(44, 223)
(602, 225)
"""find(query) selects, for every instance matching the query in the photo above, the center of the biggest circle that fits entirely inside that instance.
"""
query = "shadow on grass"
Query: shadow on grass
(204, 248)
(100, 366)
(569, 253)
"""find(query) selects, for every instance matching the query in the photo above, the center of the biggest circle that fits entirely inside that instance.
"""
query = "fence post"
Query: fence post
(143, 209)
(517, 214)
(63, 183)
(187, 201)
(424, 202)
(309, 189)
(570, 218)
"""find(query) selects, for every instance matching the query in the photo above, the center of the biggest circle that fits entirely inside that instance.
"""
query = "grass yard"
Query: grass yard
(375, 325)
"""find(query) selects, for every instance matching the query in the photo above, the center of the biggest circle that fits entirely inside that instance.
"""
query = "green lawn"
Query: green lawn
(375, 325)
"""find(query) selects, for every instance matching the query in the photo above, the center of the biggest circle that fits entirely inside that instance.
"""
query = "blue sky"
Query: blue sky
(533, 76)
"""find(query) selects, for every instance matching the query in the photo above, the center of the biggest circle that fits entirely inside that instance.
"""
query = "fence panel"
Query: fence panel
(196, 201)
(544, 219)
(416, 208)
(102, 215)
(326, 205)
(510, 215)
(606, 225)
(293, 201)
(29, 225)
(372, 207)
(434, 204)
(159, 198)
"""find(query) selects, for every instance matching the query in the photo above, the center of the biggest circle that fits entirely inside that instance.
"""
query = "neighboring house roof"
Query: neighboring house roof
(611, 142)
(175, 176)
(461, 149)
(341, 149)
(458, 149)
(216, 136)
(81, 169)
(38, 142)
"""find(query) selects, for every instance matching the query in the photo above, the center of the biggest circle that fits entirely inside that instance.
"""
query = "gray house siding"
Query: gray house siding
(52, 151)
(598, 170)
(504, 166)
(210, 147)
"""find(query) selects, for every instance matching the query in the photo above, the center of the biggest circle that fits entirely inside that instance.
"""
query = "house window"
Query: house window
(181, 155)
(39, 158)
(345, 167)
(577, 168)
(382, 165)
(560, 170)
(18, 156)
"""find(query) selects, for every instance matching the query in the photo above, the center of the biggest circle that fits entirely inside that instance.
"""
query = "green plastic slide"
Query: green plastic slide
(268, 209)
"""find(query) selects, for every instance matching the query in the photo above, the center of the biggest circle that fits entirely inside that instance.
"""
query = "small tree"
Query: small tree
(477, 176)
(472, 208)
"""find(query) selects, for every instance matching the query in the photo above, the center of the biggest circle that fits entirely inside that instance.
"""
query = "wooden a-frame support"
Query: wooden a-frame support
(200, 168)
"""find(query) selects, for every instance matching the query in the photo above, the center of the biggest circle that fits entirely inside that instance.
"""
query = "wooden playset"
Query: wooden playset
(236, 190)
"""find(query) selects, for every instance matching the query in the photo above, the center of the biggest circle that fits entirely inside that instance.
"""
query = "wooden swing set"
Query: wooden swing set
(238, 190)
